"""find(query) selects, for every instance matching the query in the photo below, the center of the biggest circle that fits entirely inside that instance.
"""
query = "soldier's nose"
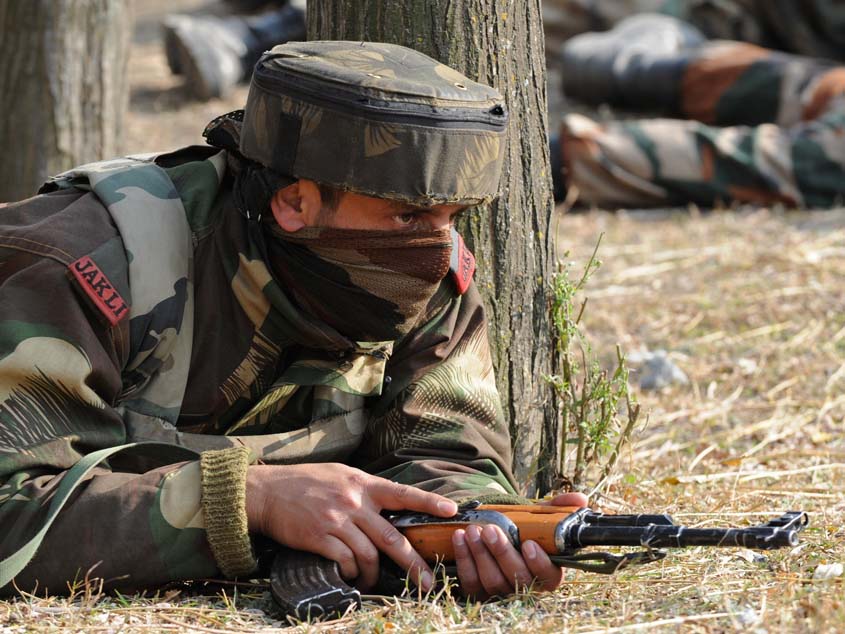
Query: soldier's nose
(441, 221)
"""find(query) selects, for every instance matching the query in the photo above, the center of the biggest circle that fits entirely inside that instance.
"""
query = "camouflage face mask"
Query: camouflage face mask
(368, 285)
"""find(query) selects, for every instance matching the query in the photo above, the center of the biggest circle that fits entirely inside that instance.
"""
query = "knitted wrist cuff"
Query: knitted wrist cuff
(224, 507)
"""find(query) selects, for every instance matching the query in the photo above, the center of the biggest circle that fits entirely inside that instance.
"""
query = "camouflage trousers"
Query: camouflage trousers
(764, 127)
(807, 27)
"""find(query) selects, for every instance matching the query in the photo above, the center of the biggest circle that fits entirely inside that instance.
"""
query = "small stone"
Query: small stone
(747, 617)
(746, 366)
(658, 371)
(826, 572)
(254, 612)
(752, 557)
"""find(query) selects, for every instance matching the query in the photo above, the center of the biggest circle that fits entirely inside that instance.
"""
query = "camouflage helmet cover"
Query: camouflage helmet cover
(378, 119)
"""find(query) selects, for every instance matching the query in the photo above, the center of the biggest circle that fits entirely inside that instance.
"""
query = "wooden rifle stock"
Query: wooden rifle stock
(535, 521)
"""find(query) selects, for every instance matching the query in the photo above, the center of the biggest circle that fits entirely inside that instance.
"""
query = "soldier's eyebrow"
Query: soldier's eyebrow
(396, 206)
(408, 208)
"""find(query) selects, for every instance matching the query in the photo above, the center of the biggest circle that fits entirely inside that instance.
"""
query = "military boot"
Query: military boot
(216, 53)
(637, 64)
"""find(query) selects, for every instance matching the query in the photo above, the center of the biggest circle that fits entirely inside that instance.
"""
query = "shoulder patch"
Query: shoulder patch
(462, 263)
(98, 289)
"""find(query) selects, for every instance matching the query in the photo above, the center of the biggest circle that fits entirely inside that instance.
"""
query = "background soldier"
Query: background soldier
(766, 126)
(216, 52)
(279, 305)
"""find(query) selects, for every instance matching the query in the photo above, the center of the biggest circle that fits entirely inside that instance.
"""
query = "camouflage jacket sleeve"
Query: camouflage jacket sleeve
(439, 424)
(60, 376)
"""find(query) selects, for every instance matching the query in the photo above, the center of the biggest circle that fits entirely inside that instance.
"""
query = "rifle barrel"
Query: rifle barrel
(657, 536)
(581, 529)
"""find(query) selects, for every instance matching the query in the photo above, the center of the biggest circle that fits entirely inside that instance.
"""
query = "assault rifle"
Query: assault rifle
(308, 585)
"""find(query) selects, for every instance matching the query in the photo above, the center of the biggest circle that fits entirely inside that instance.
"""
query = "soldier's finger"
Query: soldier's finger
(332, 548)
(508, 558)
(492, 579)
(547, 575)
(395, 545)
(398, 497)
(366, 555)
(467, 572)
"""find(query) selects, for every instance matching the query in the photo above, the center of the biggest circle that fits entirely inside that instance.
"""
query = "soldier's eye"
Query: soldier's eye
(406, 219)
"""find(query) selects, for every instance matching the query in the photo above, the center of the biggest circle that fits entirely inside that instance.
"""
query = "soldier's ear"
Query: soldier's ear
(297, 205)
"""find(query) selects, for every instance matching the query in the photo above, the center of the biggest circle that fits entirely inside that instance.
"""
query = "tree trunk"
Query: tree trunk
(63, 87)
(500, 43)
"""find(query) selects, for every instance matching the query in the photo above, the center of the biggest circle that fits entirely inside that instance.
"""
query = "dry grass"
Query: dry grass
(750, 305)
(744, 439)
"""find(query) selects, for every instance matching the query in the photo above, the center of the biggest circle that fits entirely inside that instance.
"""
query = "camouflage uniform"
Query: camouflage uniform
(764, 126)
(140, 305)
(810, 27)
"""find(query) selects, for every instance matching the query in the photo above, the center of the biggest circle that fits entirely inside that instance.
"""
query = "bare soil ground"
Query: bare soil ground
(748, 303)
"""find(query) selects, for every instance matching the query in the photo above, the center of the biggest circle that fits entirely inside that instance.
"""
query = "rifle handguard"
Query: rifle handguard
(431, 536)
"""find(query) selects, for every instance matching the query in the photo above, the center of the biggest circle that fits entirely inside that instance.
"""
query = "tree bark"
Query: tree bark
(500, 43)
(63, 87)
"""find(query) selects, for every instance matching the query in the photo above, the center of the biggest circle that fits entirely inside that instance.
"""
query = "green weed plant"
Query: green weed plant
(598, 412)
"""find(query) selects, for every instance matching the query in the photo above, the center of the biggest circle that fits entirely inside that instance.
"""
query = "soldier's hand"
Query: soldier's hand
(488, 564)
(334, 510)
